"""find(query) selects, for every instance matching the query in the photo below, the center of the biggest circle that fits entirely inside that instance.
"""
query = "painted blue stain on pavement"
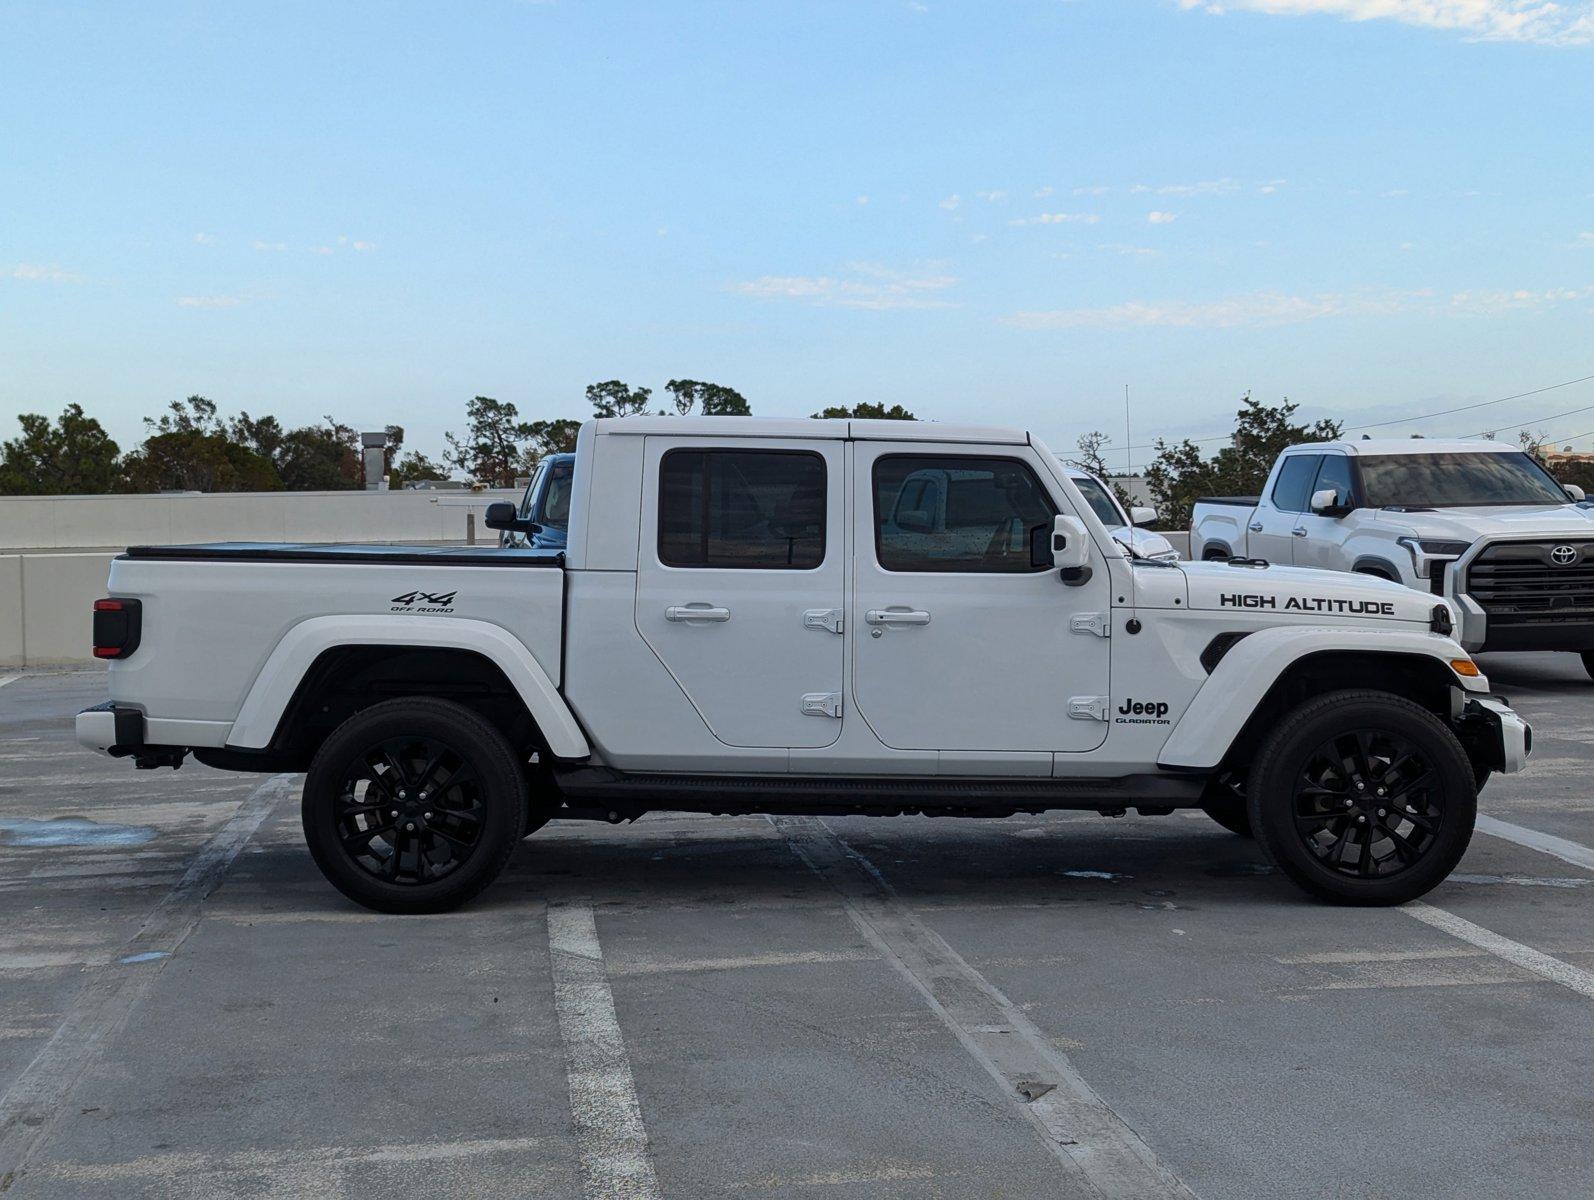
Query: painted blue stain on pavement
(147, 956)
(71, 831)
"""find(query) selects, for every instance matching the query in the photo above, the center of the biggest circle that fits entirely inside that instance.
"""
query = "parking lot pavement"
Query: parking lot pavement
(696, 1006)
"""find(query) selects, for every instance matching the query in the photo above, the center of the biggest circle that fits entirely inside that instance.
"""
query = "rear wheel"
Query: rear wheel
(414, 805)
(1362, 798)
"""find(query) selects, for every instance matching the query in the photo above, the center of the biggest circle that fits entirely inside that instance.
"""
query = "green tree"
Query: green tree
(413, 468)
(1179, 473)
(321, 458)
(868, 410)
(708, 399)
(615, 399)
(189, 448)
(491, 450)
(75, 456)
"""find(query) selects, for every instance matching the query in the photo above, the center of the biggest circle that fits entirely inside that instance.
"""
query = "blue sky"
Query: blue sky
(992, 212)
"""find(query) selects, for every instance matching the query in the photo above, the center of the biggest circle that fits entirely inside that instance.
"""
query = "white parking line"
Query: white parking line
(1529, 959)
(1546, 843)
(610, 1136)
(1102, 1154)
(30, 1106)
(5, 679)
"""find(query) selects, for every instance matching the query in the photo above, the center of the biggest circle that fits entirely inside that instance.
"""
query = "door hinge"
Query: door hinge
(1090, 623)
(823, 618)
(1087, 708)
(821, 704)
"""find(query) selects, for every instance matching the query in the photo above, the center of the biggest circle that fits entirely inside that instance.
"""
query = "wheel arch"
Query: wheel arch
(1372, 564)
(323, 671)
(1260, 679)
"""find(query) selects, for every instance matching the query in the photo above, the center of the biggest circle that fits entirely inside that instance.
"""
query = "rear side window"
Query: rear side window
(953, 513)
(761, 509)
(1294, 486)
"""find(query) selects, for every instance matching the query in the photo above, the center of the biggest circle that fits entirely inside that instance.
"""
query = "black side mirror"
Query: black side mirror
(1040, 546)
(503, 515)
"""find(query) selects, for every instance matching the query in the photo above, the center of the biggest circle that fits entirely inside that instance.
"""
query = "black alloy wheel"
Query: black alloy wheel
(1367, 805)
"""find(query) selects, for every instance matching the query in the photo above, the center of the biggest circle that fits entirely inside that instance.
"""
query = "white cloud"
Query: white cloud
(1057, 218)
(1484, 302)
(861, 200)
(1042, 193)
(1128, 251)
(1546, 22)
(268, 246)
(322, 250)
(867, 286)
(209, 301)
(1259, 308)
(43, 273)
(205, 239)
(364, 246)
(1098, 190)
(952, 202)
(1584, 240)
(1207, 187)
(1271, 186)
(992, 197)
(1161, 218)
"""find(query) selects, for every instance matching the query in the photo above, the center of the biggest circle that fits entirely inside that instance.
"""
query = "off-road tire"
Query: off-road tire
(1274, 796)
(496, 789)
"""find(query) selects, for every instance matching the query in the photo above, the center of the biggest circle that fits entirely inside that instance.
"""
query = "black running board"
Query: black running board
(615, 795)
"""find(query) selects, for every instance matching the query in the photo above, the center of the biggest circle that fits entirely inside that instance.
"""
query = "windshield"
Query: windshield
(1100, 502)
(1455, 480)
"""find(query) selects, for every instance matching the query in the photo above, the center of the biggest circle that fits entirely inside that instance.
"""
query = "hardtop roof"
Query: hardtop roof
(801, 428)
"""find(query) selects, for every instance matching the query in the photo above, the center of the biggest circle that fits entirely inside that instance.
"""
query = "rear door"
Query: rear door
(1271, 533)
(740, 583)
(961, 642)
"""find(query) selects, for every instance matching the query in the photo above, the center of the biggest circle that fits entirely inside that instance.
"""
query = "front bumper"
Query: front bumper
(1515, 735)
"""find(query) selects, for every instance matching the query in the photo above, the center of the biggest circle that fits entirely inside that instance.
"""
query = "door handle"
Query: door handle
(1255, 527)
(1299, 531)
(696, 612)
(892, 616)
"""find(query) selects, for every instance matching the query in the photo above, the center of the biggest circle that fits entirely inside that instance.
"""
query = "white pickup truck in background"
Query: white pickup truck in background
(857, 617)
(1481, 524)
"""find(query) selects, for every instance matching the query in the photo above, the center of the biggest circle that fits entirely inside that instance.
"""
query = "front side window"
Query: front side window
(954, 513)
(1294, 486)
(1100, 502)
(556, 500)
(1456, 480)
(1334, 476)
(742, 509)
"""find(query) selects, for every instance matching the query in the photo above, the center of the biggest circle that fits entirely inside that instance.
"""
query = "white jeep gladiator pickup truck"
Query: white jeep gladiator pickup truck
(1480, 524)
(763, 616)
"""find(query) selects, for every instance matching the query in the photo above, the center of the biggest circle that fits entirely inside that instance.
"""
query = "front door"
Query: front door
(961, 641)
(740, 577)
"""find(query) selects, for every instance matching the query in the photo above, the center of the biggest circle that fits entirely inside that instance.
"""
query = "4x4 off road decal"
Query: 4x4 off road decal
(424, 602)
(1312, 604)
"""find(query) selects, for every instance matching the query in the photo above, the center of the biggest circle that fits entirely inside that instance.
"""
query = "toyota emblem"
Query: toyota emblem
(1563, 556)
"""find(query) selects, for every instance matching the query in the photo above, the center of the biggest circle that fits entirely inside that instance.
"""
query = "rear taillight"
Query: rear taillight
(117, 626)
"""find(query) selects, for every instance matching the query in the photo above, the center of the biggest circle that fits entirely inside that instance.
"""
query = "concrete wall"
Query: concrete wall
(45, 604)
(82, 522)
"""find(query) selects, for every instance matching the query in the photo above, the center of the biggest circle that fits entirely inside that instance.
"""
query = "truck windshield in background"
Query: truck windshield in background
(1100, 502)
(1455, 480)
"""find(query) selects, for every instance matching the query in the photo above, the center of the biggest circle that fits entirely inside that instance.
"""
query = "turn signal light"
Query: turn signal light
(1465, 666)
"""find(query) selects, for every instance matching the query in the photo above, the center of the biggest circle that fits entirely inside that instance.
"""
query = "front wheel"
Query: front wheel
(1362, 797)
(414, 805)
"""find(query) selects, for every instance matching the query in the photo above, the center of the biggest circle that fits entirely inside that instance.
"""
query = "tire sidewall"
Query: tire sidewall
(1271, 790)
(502, 795)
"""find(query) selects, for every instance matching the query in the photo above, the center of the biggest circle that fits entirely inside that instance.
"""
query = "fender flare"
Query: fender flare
(1217, 543)
(277, 681)
(1383, 564)
(1226, 701)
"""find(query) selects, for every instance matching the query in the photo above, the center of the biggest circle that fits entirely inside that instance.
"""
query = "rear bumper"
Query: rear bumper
(112, 729)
